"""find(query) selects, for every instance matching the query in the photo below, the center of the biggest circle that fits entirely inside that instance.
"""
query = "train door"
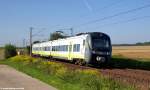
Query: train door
(70, 51)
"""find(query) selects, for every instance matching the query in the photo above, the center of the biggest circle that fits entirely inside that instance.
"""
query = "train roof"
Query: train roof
(90, 33)
(80, 35)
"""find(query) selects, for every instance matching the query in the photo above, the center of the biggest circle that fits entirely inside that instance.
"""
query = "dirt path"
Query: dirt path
(10, 78)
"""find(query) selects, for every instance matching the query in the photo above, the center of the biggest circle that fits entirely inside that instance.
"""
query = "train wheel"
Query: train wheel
(79, 62)
(76, 62)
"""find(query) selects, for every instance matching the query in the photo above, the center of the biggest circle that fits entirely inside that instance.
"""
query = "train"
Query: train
(82, 49)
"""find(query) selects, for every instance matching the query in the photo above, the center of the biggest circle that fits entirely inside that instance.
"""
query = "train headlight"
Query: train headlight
(93, 52)
(98, 58)
(108, 53)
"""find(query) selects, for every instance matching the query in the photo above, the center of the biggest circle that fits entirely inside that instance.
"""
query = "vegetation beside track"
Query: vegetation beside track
(122, 62)
(62, 77)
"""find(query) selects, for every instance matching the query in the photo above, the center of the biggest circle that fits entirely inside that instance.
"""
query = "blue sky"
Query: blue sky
(17, 16)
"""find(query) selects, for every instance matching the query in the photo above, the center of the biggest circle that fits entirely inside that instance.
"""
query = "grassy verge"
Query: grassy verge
(121, 62)
(61, 77)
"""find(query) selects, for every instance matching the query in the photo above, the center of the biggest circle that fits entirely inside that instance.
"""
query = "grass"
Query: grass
(61, 77)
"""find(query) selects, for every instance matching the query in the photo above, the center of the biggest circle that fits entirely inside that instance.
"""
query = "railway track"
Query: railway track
(135, 77)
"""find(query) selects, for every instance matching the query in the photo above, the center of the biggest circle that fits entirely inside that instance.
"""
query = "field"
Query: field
(133, 52)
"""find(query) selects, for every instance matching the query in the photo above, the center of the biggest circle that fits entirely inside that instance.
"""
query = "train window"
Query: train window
(76, 47)
(49, 49)
(52, 48)
(59, 48)
(66, 47)
(55, 48)
(62, 48)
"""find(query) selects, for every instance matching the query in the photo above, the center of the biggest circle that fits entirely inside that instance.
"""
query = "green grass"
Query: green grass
(63, 78)
(122, 62)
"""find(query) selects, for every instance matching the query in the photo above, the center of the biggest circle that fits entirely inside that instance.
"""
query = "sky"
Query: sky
(47, 16)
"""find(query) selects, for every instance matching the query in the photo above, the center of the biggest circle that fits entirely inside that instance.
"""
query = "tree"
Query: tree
(36, 42)
(27, 50)
(10, 51)
(56, 35)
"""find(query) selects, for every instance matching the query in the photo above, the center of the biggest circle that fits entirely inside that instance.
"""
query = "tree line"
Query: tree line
(136, 44)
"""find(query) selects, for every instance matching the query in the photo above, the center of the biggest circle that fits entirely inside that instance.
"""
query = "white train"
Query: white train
(93, 48)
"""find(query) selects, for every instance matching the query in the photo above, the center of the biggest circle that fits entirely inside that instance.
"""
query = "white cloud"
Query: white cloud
(88, 5)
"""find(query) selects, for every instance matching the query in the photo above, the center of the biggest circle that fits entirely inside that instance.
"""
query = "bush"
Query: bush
(10, 51)
(27, 50)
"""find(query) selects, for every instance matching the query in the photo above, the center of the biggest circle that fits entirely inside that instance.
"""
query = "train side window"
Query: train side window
(63, 48)
(49, 48)
(66, 47)
(76, 47)
(52, 48)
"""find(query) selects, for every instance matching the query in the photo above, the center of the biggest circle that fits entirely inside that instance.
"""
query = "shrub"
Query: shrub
(10, 51)
(51, 67)
(27, 50)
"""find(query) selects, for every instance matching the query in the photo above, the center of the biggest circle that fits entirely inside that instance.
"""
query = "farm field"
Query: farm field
(133, 52)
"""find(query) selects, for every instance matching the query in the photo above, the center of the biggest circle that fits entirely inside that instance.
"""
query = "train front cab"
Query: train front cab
(99, 49)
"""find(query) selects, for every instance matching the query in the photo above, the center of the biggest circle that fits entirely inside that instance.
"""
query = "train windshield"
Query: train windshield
(100, 43)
